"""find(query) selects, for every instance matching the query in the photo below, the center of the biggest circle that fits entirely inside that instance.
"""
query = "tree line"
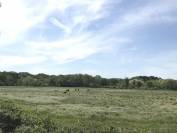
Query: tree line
(84, 80)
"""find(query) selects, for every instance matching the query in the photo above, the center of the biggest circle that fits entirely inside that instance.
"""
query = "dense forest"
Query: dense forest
(85, 80)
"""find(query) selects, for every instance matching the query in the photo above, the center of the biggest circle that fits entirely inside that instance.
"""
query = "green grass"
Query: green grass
(100, 109)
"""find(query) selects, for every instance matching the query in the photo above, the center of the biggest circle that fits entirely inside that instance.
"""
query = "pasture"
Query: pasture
(100, 109)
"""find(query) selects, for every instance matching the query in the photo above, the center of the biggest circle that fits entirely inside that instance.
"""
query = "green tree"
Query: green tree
(126, 82)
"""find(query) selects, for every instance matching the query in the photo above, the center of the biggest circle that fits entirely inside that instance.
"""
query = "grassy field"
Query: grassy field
(100, 109)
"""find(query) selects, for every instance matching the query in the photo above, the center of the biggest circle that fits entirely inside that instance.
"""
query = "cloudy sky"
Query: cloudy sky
(112, 38)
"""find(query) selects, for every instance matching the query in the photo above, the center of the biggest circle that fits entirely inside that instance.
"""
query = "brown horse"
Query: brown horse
(66, 91)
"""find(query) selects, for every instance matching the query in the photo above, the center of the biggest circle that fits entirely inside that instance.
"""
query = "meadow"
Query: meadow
(92, 109)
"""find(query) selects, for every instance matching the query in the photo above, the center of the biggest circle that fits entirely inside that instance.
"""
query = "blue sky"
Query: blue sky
(112, 38)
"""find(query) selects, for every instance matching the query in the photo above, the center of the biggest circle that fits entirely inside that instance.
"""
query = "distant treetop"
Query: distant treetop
(146, 78)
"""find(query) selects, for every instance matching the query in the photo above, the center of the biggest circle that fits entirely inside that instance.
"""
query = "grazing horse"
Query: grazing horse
(66, 91)
(76, 89)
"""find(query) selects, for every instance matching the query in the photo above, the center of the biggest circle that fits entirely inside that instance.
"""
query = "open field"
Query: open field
(100, 109)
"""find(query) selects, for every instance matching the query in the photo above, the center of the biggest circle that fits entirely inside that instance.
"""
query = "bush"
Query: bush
(169, 84)
(135, 83)
(25, 120)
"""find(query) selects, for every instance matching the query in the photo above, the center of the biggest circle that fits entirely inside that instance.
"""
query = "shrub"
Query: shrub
(25, 120)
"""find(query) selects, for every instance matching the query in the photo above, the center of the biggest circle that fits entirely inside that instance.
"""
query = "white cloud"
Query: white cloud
(82, 14)
(74, 48)
(9, 61)
(59, 24)
(17, 17)
(12, 21)
(153, 12)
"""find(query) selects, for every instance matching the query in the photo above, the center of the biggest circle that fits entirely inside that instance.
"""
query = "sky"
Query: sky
(111, 38)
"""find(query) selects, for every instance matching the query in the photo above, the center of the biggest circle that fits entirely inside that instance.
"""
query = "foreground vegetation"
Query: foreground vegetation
(56, 110)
